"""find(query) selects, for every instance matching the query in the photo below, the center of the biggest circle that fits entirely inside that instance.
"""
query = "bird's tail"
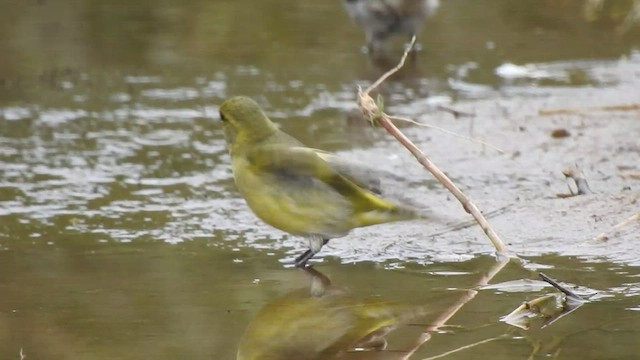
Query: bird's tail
(390, 214)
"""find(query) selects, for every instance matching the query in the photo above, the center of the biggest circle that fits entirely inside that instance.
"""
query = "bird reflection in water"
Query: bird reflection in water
(382, 19)
(326, 322)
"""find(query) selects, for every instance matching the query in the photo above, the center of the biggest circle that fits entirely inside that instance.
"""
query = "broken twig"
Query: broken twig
(566, 111)
(373, 113)
(604, 237)
(563, 289)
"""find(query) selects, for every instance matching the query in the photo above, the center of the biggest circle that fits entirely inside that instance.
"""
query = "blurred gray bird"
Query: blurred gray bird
(381, 19)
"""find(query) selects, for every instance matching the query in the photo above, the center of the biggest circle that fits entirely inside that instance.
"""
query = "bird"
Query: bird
(324, 321)
(381, 19)
(300, 190)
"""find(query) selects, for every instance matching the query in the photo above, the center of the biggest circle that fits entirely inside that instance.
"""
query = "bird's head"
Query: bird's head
(244, 121)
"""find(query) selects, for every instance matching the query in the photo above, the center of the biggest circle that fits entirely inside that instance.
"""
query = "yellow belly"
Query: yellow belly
(298, 207)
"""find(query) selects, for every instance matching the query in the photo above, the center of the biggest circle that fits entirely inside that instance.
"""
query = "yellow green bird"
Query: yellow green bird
(297, 189)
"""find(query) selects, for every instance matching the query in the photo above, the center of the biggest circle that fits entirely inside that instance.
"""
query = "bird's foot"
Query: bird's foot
(315, 244)
(301, 261)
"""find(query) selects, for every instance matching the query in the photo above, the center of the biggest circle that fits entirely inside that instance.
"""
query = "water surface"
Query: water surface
(122, 235)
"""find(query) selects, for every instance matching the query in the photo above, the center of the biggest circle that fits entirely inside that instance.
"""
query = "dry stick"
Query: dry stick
(371, 111)
(564, 111)
(605, 237)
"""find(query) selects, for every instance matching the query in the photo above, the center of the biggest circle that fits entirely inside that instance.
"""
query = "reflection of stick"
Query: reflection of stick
(373, 113)
(465, 347)
(632, 18)
(466, 296)
(605, 237)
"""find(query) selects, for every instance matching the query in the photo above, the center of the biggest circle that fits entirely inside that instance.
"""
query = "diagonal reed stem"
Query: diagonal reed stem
(374, 114)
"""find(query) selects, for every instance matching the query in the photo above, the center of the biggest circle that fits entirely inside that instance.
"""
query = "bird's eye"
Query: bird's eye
(222, 117)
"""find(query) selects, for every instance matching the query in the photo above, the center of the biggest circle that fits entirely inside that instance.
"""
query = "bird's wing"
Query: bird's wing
(380, 182)
(375, 180)
(304, 162)
(359, 173)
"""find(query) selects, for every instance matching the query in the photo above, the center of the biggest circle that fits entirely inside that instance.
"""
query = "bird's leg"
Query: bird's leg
(315, 244)
(301, 261)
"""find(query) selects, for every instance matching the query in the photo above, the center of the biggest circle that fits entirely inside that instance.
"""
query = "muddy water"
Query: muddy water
(122, 236)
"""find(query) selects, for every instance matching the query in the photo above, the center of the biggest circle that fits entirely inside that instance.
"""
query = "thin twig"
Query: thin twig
(395, 69)
(467, 224)
(556, 285)
(398, 118)
(373, 113)
(565, 111)
(456, 113)
(605, 237)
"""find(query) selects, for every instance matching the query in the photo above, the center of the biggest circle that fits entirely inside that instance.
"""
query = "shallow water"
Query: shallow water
(122, 235)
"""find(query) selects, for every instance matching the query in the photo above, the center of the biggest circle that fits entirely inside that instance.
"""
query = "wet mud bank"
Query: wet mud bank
(542, 131)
